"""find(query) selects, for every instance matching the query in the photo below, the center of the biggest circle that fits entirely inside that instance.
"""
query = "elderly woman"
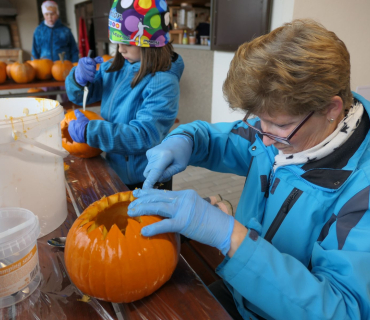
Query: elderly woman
(299, 246)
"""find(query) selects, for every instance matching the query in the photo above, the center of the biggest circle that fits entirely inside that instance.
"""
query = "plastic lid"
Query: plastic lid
(19, 228)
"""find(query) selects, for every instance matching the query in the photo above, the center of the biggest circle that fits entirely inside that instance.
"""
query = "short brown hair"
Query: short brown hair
(152, 61)
(296, 69)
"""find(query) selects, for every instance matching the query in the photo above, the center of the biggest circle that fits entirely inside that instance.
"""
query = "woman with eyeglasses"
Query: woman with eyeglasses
(299, 245)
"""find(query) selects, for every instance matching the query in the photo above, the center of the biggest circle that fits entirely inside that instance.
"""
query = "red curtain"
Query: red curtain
(83, 42)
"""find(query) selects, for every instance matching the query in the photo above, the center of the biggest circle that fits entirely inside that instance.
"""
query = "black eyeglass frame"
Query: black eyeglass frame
(285, 140)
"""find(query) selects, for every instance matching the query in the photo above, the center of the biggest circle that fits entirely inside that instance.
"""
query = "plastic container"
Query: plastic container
(19, 262)
(31, 159)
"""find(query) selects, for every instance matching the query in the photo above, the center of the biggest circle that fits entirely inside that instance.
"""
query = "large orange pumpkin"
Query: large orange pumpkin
(2, 72)
(81, 150)
(107, 257)
(61, 68)
(8, 67)
(42, 68)
(22, 72)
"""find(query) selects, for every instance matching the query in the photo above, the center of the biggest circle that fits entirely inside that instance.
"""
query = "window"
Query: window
(5, 36)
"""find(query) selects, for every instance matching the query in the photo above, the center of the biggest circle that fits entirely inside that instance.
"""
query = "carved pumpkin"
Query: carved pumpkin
(61, 68)
(42, 68)
(81, 150)
(107, 257)
(22, 72)
(36, 90)
(2, 72)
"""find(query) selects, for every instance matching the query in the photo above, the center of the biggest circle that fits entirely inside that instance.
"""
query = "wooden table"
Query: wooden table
(11, 85)
(184, 296)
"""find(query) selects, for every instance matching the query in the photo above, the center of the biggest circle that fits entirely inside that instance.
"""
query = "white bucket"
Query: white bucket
(19, 260)
(31, 159)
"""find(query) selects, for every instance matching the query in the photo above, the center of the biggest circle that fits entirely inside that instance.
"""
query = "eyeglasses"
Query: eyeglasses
(277, 138)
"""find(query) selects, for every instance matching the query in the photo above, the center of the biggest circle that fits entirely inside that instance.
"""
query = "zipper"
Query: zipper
(51, 45)
(283, 212)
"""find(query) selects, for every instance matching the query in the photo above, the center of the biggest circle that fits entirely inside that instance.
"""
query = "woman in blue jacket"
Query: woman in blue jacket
(299, 245)
(139, 91)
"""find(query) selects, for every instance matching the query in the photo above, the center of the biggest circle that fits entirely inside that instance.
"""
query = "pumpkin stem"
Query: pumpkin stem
(61, 56)
(20, 56)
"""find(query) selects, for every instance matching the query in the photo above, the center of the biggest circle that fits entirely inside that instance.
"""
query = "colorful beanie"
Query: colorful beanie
(142, 23)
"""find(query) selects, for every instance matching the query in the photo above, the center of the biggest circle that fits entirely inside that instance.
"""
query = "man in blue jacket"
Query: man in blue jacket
(299, 245)
(51, 37)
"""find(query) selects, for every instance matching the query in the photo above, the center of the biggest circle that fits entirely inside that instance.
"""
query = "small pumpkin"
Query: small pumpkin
(106, 57)
(2, 72)
(8, 67)
(42, 67)
(36, 90)
(61, 68)
(81, 150)
(75, 64)
(107, 257)
(22, 72)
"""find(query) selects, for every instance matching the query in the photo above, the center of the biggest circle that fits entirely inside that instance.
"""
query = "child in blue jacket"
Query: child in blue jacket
(139, 90)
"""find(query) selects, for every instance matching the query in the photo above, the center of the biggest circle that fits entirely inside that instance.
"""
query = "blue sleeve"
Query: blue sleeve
(75, 91)
(73, 47)
(35, 49)
(337, 287)
(153, 120)
(221, 147)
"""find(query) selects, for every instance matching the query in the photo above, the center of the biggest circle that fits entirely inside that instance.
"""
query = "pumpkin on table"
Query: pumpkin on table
(42, 67)
(107, 257)
(81, 150)
(22, 72)
(61, 68)
(8, 67)
(2, 72)
(36, 90)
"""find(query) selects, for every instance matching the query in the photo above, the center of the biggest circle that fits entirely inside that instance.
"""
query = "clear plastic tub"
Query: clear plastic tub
(19, 261)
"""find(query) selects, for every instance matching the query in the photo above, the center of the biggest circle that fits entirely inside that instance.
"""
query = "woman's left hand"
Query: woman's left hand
(187, 214)
(77, 128)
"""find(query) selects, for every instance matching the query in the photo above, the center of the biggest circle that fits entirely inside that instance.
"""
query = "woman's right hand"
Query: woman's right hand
(168, 158)
(86, 69)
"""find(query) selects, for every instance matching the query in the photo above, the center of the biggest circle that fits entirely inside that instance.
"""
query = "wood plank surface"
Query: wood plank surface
(184, 296)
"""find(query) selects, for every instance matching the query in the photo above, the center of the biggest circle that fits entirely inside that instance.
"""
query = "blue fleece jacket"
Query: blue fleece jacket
(307, 252)
(136, 119)
(49, 42)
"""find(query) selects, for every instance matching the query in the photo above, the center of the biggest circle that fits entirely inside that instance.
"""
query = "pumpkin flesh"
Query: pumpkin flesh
(106, 256)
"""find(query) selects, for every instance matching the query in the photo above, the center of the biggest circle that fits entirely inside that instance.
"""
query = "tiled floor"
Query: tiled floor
(208, 183)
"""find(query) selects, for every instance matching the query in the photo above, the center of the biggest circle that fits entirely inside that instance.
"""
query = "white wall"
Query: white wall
(71, 17)
(282, 11)
(351, 23)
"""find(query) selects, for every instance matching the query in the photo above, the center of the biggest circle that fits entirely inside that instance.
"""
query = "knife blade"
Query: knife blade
(86, 88)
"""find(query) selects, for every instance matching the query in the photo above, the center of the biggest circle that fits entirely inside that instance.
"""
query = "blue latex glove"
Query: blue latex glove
(76, 128)
(165, 160)
(188, 214)
(86, 69)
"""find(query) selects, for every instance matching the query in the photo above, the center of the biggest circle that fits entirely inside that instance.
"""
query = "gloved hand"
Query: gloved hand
(165, 160)
(76, 128)
(86, 69)
(188, 214)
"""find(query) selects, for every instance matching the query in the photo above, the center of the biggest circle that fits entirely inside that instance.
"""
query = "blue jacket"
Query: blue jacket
(135, 119)
(49, 42)
(307, 252)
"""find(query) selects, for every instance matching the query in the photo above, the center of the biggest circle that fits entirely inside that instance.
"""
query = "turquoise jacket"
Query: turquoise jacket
(49, 42)
(307, 252)
(136, 119)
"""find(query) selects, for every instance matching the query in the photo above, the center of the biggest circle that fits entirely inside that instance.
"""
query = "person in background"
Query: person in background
(139, 91)
(299, 245)
(51, 37)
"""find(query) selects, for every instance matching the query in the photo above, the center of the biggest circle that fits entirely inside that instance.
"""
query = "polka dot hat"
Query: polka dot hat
(142, 23)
